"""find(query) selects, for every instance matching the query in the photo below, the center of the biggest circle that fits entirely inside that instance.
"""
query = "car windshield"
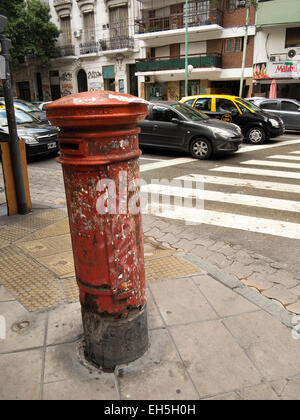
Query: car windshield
(249, 104)
(190, 112)
(28, 107)
(21, 117)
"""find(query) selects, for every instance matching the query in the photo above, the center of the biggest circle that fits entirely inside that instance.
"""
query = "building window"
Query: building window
(233, 44)
(66, 30)
(292, 37)
(89, 26)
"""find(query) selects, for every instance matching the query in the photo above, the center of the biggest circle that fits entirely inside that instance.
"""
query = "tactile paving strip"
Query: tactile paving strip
(168, 267)
(56, 229)
(10, 234)
(31, 284)
(47, 246)
(71, 289)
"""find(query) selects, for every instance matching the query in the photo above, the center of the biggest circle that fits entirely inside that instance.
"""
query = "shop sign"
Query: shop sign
(108, 73)
(279, 70)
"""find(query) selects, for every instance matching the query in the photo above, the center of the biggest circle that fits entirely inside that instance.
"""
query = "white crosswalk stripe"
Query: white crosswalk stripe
(279, 218)
(256, 171)
(283, 157)
(287, 165)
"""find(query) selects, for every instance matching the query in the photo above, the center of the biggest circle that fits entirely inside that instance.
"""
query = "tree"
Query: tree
(30, 29)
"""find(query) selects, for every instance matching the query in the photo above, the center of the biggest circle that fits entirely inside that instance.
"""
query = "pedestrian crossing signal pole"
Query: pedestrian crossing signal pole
(5, 45)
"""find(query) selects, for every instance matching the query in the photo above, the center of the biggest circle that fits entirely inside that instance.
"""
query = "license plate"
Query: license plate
(52, 145)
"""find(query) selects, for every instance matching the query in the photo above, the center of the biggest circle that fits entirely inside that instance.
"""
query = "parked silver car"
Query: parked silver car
(287, 109)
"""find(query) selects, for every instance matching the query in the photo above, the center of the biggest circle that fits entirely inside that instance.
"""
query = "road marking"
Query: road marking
(286, 165)
(156, 160)
(284, 157)
(164, 164)
(229, 220)
(254, 172)
(252, 148)
(238, 182)
(232, 198)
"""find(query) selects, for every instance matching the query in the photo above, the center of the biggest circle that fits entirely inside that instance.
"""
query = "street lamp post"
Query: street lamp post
(186, 50)
(244, 48)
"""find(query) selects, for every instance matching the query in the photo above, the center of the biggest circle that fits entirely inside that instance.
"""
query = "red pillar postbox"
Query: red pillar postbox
(99, 156)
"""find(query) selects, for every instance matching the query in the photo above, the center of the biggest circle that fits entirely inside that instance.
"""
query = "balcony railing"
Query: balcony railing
(177, 21)
(119, 43)
(67, 50)
(168, 63)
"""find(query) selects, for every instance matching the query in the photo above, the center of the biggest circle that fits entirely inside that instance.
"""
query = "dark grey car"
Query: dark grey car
(287, 109)
(177, 126)
(40, 137)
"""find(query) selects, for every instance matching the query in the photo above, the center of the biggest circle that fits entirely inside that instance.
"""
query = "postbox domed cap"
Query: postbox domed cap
(96, 109)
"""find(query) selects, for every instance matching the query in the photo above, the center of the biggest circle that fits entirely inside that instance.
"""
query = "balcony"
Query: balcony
(67, 50)
(177, 21)
(167, 63)
(108, 46)
(118, 43)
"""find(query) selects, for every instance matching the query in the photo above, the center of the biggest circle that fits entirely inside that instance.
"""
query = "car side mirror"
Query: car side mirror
(176, 121)
(234, 112)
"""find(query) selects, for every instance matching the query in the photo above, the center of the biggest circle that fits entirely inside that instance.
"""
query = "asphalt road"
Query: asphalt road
(251, 198)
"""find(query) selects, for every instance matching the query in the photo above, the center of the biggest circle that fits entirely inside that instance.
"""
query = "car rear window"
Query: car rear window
(269, 105)
(289, 106)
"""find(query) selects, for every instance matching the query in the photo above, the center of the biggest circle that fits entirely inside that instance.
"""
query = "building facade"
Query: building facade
(277, 48)
(216, 30)
(97, 51)
(138, 47)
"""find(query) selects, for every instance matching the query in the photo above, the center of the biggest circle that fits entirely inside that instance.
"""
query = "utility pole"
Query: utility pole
(186, 50)
(5, 45)
(245, 47)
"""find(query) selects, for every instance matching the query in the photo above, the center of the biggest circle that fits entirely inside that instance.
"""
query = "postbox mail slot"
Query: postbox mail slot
(76, 148)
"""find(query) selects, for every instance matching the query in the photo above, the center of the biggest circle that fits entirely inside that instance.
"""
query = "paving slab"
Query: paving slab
(24, 330)
(268, 343)
(224, 301)
(65, 324)
(158, 375)
(21, 375)
(181, 302)
(214, 360)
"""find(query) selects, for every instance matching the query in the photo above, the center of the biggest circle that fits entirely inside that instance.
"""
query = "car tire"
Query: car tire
(201, 148)
(256, 135)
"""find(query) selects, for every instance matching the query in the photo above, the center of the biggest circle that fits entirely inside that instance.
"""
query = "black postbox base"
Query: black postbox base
(110, 342)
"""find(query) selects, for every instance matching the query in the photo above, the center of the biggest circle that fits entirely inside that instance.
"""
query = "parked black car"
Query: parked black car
(257, 125)
(28, 107)
(40, 137)
(287, 109)
(173, 125)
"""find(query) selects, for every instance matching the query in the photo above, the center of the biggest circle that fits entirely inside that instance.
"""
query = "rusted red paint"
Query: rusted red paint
(99, 140)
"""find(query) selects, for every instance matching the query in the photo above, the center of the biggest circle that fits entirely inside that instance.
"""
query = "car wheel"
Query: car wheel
(201, 149)
(256, 135)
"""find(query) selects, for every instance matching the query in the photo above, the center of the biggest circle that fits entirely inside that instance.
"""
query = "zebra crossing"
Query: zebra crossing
(228, 196)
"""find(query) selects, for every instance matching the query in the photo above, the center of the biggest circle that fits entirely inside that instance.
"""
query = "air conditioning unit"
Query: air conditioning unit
(78, 33)
(293, 54)
(149, 79)
(241, 3)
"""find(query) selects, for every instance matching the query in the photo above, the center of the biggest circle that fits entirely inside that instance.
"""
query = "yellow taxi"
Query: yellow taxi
(257, 126)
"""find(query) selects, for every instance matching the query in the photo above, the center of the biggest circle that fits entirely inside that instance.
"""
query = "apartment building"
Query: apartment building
(277, 48)
(138, 47)
(216, 30)
(97, 51)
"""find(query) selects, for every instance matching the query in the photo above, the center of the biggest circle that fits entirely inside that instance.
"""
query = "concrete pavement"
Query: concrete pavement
(213, 335)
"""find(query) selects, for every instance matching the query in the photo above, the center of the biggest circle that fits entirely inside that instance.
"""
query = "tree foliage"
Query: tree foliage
(30, 29)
